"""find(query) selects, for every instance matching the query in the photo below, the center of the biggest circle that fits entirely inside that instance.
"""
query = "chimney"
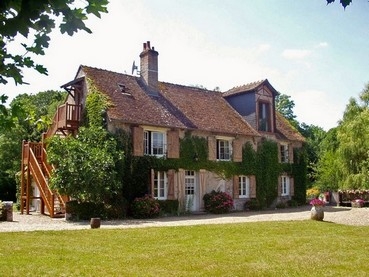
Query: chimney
(149, 67)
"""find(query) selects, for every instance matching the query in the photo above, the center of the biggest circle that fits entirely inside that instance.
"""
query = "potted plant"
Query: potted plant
(317, 211)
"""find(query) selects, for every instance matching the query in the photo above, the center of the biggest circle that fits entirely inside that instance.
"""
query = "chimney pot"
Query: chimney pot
(148, 45)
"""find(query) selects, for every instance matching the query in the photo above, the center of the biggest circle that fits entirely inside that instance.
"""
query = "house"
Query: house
(159, 116)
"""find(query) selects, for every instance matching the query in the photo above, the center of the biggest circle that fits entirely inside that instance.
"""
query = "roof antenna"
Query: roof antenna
(134, 67)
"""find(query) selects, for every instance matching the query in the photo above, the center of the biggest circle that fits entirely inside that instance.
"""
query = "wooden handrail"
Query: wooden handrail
(41, 182)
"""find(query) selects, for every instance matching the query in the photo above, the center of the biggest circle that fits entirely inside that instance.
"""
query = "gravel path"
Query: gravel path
(339, 215)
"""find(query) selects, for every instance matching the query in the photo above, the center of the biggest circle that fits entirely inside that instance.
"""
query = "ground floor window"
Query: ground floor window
(285, 183)
(189, 182)
(160, 185)
(244, 186)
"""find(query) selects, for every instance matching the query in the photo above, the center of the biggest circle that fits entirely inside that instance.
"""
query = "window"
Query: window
(160, 185)
(189, 182)
(285, 183)
(244, 186)
(224, 150)
(264, 117)
(284, 153)
(154, 143)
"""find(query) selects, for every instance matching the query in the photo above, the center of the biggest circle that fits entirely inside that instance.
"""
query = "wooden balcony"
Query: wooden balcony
(66, 119)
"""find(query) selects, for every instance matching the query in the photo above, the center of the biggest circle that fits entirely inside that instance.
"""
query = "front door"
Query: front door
(191, 191)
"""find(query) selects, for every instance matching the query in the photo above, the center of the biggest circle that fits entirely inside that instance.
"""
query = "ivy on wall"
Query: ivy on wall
(96, 106)
(267, 172)
(299, 171)
(262, 163)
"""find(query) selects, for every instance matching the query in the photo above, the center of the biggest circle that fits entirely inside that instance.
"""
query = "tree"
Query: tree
(34, 20)
(344, 3)
(314, 136)
(344, 162)
(285, 106)
(85, 165)
(35, 111)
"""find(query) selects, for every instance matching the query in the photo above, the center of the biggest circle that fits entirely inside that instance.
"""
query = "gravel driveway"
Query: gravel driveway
(339, 215)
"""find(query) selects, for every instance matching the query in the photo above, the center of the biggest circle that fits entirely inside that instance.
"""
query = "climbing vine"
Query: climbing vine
(263, 163)
(96, 106)
(267, 173)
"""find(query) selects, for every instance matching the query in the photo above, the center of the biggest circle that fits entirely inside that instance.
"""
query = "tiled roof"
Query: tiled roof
(285, 129)
(133, 105)
(207, 110)
(175, 106)
(249, 87)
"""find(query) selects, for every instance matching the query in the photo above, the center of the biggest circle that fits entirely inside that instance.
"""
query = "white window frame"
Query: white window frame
(285, 185)
(160, 185)
(224, 148)
(190, 181)
(243, 186)
(155, 143)
(284, 150)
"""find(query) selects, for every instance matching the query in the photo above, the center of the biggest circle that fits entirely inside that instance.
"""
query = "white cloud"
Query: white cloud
(296, 54)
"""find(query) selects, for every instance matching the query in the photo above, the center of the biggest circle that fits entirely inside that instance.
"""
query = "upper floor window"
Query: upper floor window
(155, 143)
(160, 185)
(224, 150)
(284, 153)
(264, 117)
(285, 185)
(244, 187)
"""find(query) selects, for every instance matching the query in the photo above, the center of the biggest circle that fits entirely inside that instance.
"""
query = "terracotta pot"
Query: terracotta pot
(317, 213)
(95, 222)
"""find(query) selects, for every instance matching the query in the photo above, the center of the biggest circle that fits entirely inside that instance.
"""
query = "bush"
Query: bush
(169, 207)
(252, 204)
(85, 210)
(2, 211)
(145, 207)
(292, 203)
(281, 205)
(218, 202)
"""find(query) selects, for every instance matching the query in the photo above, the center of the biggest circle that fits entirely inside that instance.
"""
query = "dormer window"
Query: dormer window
(264, 117)
(224, 149)
(155, 143)
(123, 89)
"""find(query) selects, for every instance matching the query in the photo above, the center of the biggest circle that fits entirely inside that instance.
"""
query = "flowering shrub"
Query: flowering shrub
(357, 203)
(312, 193)
(218, 202)
(317, 202)
(145, 207)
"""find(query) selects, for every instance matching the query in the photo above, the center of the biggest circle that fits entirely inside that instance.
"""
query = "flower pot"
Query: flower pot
(95, 222)
(317, 213)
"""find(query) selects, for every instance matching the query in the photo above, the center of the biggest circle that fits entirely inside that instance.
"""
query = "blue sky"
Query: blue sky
(317, 54)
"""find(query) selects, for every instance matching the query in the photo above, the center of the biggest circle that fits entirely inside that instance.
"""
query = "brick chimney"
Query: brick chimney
(149, 67)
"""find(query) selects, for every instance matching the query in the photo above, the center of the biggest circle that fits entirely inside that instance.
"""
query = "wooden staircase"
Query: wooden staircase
(36, 169)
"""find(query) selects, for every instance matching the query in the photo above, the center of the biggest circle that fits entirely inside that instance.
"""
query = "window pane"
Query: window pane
(223, 152)
(147, 142)
(157, 143)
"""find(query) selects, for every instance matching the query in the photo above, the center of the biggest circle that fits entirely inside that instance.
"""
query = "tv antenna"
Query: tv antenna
(134, 67)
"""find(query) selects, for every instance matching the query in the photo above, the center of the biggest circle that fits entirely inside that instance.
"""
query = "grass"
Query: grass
(295, 248)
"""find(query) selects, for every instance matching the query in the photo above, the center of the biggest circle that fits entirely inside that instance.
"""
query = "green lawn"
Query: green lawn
(296, 248)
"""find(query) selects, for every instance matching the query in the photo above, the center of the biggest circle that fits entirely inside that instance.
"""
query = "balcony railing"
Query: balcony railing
(67, 117)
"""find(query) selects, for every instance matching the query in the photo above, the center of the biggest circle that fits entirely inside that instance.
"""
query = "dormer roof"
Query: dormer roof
(251, 87)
